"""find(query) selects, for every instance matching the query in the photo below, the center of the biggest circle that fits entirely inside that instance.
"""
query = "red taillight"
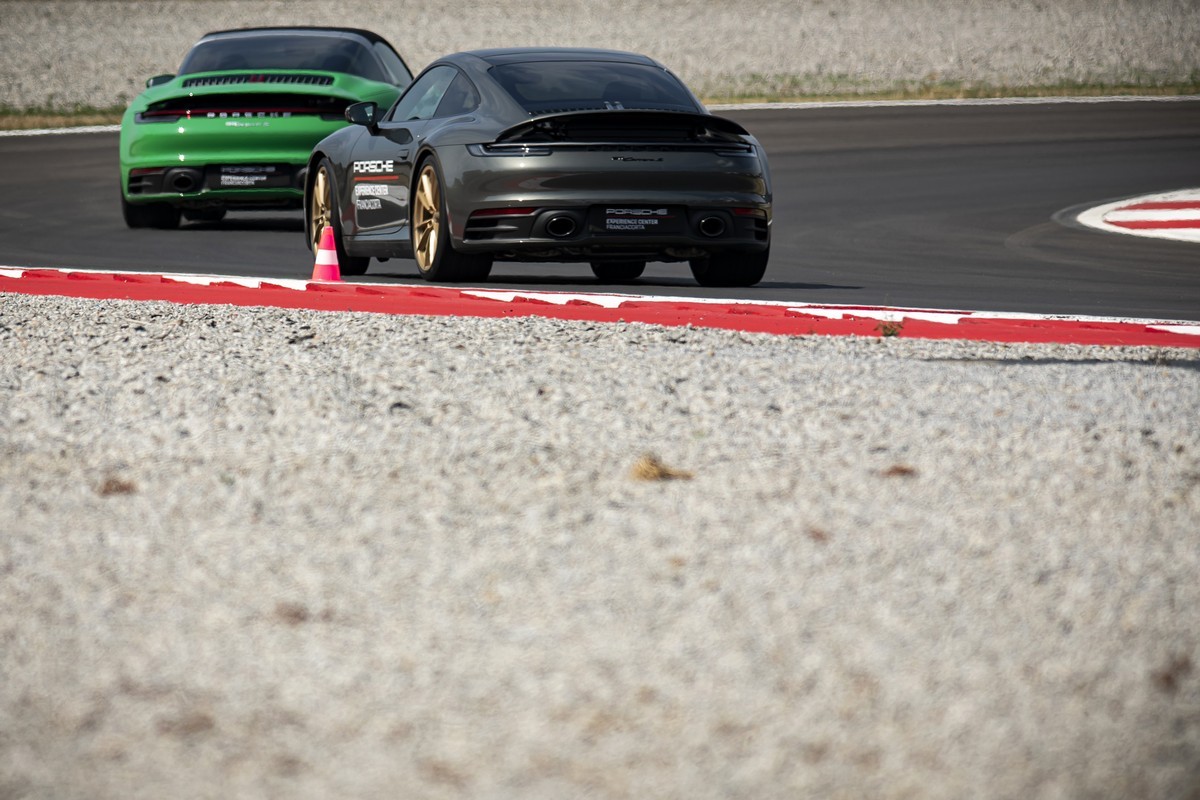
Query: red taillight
(224, 113)
(749, 212)
(243, 105)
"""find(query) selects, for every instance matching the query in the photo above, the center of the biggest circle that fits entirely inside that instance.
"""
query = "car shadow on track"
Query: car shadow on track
(586, 282)
(275, 224)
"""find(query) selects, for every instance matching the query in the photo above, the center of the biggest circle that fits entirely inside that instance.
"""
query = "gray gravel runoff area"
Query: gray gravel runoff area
(250, 553)
(98, 53)
(267, 553)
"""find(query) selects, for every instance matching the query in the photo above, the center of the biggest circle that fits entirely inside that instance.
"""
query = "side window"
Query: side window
(460, 98)
(422, 98)
(391, 61)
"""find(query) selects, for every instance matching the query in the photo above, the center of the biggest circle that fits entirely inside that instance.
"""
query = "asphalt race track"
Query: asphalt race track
(929, 206)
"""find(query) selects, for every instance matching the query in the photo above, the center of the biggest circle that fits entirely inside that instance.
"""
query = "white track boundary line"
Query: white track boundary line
(965, 101)
(63, 131)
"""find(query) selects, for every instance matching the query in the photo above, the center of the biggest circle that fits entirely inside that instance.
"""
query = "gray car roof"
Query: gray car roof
(517, 55)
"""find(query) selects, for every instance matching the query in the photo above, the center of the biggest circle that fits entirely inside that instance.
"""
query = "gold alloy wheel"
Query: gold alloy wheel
(320, 214)
(427, 218)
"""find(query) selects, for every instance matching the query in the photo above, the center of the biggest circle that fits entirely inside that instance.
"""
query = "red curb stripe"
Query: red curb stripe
(732, 315)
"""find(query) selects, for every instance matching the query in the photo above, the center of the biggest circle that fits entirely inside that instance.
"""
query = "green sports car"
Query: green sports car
(234, 129)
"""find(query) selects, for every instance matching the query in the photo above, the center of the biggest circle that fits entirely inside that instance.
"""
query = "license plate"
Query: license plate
(248, 176)
(620, 220)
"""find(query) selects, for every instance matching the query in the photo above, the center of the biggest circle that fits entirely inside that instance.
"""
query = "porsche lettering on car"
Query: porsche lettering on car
(548, 154)
(234, 129)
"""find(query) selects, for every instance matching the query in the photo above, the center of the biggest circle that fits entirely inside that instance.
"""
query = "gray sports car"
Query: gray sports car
(568, 155)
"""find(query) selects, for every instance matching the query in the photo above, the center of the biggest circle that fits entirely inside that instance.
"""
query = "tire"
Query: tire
(730, 269)
(149, 215)
(322, 211)
(204, 214)
(436, 258)
(618, 271)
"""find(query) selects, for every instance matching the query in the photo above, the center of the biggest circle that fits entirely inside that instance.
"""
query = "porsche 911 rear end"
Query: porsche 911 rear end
(235, 128)
(237, 139)
(618, 186)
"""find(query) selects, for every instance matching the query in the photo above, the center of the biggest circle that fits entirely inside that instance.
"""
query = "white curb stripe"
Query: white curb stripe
(1101, 217)
(883, 315)
(1154, 215)
(554, 298)
(1188, 330)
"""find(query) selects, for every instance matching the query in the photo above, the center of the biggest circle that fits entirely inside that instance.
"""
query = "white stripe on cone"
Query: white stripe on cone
(326, 267)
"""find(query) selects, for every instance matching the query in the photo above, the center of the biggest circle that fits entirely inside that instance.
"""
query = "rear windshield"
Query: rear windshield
(288, 51)
(552, 86)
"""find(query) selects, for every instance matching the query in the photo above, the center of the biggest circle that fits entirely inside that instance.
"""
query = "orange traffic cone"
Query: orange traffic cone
(326, 268)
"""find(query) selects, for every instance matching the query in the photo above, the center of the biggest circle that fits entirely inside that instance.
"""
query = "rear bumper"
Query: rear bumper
(607, 203)
(228, 162)
(227, 185)
(618, 231)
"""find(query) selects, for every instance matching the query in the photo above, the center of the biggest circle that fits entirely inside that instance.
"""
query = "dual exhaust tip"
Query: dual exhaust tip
(711, 226)
(561, 226)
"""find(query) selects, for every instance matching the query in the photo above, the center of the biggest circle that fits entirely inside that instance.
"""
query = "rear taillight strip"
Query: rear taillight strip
(211, 113)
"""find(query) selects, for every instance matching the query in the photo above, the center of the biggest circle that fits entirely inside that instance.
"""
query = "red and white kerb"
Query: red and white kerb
(1171, 215)
(759, 316)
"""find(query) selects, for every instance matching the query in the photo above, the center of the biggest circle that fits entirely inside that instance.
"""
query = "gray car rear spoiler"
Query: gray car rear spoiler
(626, 117)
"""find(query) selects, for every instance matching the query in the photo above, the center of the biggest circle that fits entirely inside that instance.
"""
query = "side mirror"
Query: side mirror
(158, 79)
(363, 114)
